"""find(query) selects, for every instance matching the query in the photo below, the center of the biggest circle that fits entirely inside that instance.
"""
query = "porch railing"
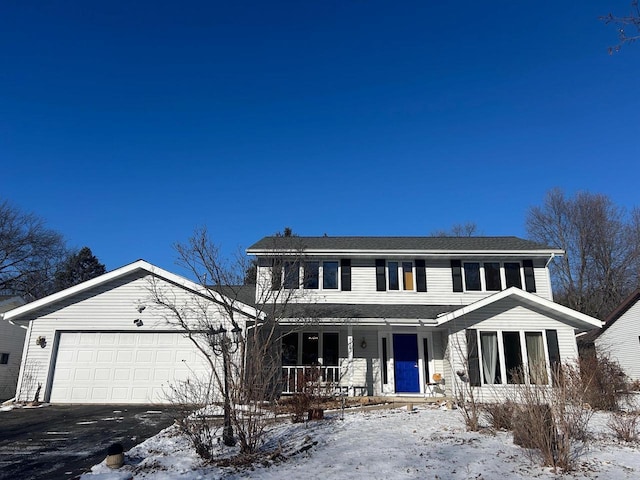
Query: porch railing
(298, 378)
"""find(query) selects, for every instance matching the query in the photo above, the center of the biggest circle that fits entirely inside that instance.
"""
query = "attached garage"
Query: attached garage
(105, 341)
(122, 367)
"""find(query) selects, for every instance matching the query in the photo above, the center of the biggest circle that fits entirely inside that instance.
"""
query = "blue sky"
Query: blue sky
(126, 125)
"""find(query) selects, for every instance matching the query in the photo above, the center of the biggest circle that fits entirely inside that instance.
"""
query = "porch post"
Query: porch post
(350, 358)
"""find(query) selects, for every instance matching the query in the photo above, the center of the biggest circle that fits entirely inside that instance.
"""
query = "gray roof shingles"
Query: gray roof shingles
(398, 243)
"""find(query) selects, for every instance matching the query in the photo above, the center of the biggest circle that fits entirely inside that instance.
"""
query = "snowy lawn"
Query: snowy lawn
(427, 442)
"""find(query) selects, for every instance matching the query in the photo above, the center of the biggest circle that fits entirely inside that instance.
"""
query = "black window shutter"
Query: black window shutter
(473, 361)
(381, 282)
(529, 279)
(276, 274)
(456, 272)
(421, 276)
(554, 355)
(345, 274)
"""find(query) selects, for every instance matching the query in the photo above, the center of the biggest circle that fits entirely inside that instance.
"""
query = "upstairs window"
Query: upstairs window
(492, 276)
(394, 284)
(407, 276)
(472, 276)
(4, 358)
(330, 275)
(311, 275)
(512, 274)
(291, 275)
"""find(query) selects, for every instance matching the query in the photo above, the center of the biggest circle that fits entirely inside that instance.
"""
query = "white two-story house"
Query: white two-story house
(414, 315)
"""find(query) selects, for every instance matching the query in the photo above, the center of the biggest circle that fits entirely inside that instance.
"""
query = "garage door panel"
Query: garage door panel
(120, 367)
(102, 374)
(105, 356)
(124, 356)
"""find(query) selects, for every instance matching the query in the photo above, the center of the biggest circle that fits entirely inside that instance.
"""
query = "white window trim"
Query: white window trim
(523, 354)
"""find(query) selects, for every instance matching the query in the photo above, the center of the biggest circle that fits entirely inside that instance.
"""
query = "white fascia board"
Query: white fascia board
(527, 297)
(404, 253)
(363, 322)
(19, 312)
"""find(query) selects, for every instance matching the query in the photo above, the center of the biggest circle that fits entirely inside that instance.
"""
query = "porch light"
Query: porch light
(363, 344)
(237, 334)
(41, 341)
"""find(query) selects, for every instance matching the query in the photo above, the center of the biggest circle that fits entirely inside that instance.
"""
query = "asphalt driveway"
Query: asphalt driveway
(63, 441)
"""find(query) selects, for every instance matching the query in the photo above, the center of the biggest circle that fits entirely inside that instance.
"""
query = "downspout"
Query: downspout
(546, 267)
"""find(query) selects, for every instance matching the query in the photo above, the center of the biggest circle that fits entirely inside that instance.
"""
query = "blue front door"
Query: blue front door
(405, 360)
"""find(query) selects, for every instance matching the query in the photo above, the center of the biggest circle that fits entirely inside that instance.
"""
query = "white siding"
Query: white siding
(11, 342)
(439, 284)
(621, 341)
(505, 316)
(109, 307)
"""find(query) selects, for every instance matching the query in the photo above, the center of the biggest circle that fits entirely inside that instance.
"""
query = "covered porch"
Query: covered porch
(364, 360)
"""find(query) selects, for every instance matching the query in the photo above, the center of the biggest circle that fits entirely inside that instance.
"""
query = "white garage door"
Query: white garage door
(120, 367)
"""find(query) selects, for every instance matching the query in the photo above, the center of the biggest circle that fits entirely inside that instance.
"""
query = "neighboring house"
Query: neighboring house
(389, 313)
(620, 336)
(11, 341)
(104, 341)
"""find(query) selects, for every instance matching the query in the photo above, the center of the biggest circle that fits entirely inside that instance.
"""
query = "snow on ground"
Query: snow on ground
(426, 442)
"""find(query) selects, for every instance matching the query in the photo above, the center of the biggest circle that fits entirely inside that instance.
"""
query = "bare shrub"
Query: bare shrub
(625, 425)
(604, 381)
(500, 415)
(191, 401)
(553, 420)
(468, 403)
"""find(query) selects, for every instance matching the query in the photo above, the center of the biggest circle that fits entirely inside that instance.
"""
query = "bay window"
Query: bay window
(511, 357)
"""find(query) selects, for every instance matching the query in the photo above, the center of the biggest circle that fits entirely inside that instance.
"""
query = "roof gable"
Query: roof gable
(137, 266)
(573, 317)
(614, 316)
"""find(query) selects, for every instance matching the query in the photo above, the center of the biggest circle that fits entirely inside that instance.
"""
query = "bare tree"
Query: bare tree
(467, 229)
(627, 26)
(602, 244)
(241, 348)
(29, 253)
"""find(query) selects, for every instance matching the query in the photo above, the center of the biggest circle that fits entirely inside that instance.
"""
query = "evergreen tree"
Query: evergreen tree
(77, 268)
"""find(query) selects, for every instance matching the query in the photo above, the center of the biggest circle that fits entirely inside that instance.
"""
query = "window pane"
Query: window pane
(490, 358)
(536, 358)
(330, 275)
(512, 356)
(330, 349)
(393, 276)
(512, 275)
(290, 349)
(291, 275)
(407, 275)
(472, 276)
(309, 348)
(311, 272)
(425, 349)
(492, 276)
